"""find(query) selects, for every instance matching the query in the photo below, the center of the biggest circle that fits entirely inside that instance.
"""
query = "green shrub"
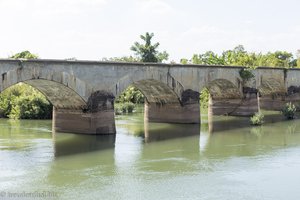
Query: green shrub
(129, 107)
(131, 94)
(289, 110)
(24, 102)
(246, 74)
(121, 108)
(257, 119)
(31, 107)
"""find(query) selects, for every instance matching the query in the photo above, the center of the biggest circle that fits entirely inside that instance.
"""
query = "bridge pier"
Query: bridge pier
(186, 111)
(246, 106)
(278, 102)
(98, 118)
(76, 121)
(172, 113)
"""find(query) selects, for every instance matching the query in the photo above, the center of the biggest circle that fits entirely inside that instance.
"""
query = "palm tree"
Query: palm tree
(147, 52)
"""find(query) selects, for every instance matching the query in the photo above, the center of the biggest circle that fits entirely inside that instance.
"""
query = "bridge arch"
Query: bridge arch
(159, 79)
(62, 89)
(156, 91)
(225, 98)
(223, 89)
(273, 93)
(162, 103)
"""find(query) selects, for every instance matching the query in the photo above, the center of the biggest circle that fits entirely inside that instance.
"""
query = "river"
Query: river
(156, 161)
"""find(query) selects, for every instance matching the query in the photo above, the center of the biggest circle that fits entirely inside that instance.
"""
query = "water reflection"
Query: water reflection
(70, 144)
(250, 141)
(167, 162)
(227, 123)
(179, 154)
(161, 131)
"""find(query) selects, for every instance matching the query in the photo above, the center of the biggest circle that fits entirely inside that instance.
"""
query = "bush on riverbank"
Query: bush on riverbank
(131, 94)
(122, 108)
(127, 101)
(289, 110)
(257, 119)
(24, 102)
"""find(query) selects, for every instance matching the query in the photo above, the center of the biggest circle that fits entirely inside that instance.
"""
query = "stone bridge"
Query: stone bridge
(83, 92)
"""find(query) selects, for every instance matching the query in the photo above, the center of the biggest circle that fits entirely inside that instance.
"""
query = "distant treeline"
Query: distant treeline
(240, 57)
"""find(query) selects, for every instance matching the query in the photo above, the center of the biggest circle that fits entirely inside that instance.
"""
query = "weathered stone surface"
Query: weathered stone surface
(272, 102)
(59, 95)
(223, 89)
(157, 92)
(293, 90)
(75, 121)
(190, 97)
(277, 102)
(234, 107)
(100, 101)
(172, 113)
(249, 90)
(271, 86)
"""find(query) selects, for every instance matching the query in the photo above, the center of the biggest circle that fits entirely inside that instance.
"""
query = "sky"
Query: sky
(93, 29)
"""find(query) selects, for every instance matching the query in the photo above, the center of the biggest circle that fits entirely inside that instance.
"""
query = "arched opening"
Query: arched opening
(221, 97)
(272, 94)
(146, 92)
(57, 94)
(224, 98)
(154, 101)
(77, 107)
(35, 98)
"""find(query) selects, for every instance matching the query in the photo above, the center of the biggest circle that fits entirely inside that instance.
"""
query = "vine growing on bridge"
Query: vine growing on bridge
(246, 74)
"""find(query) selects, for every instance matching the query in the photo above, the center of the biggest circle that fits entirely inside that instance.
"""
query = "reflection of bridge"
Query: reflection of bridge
(83, 92)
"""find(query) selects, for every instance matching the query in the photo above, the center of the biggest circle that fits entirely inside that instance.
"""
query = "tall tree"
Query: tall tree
(147, 52)
(24, 55)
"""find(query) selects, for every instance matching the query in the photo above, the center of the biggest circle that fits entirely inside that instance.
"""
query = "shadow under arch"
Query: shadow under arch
(156, 91)
(223, 89)
(272, 93)
(228, 99)
(159, 76)
(162, 104)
